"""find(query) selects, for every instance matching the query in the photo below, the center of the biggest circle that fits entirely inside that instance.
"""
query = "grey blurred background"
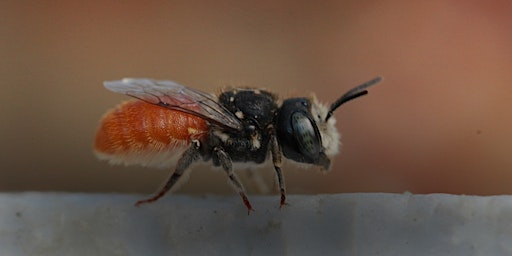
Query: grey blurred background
(440, 121)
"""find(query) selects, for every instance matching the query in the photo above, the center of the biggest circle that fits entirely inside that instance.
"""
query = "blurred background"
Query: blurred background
(439, 122)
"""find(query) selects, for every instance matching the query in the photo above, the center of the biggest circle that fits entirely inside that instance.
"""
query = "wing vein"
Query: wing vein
(171, 95)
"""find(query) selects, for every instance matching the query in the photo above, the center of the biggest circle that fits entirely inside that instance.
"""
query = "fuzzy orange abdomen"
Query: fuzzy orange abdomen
(136, 132)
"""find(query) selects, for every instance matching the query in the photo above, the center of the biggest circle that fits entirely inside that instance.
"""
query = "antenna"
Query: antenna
(355, 92)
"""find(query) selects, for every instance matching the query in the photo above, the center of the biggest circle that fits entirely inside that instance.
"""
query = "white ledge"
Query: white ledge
(342, 224)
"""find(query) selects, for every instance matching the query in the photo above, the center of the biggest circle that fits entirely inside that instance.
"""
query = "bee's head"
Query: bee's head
(306, 129)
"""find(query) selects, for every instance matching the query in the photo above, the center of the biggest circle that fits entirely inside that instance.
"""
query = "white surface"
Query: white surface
(345, 224)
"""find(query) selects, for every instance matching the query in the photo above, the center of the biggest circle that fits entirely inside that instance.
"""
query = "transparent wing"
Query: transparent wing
(174, 96)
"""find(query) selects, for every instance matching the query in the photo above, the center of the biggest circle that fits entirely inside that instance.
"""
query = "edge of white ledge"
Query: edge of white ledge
(34, 223)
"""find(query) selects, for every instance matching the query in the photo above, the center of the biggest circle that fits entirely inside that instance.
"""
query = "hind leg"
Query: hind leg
(188, 157)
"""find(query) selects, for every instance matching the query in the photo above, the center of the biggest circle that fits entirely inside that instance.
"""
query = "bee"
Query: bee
(170, 124)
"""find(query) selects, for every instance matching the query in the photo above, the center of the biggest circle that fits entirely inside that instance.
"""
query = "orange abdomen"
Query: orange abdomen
(136, 132)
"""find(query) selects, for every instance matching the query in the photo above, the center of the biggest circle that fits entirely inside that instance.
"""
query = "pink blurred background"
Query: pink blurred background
(439, 122)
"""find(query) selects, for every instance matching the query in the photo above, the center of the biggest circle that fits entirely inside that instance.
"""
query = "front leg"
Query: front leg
(277, 160)
(222, 158)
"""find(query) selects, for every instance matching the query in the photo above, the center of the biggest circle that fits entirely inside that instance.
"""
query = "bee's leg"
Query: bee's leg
(188, 157)
(277, 161)
(222, 158)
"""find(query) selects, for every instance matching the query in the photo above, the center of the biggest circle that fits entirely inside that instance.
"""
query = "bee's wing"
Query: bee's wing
(172, 95)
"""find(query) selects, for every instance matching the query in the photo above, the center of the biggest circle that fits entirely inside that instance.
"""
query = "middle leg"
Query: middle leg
(225, 161)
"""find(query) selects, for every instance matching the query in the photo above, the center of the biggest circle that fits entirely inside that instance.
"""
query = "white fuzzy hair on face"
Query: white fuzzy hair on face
(328, 132)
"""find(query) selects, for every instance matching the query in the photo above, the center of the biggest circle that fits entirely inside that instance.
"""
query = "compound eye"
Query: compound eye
(306, 134)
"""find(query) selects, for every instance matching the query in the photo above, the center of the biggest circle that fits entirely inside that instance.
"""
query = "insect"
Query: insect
(173, 124)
